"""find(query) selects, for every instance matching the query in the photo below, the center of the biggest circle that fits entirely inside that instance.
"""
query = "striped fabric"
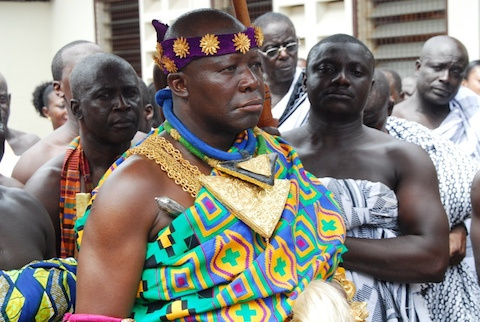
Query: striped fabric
(39, 291)
(371, 212)
(75, 167)
(209, 265)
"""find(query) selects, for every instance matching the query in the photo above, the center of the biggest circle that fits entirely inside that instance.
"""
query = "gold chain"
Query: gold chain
(160, 150)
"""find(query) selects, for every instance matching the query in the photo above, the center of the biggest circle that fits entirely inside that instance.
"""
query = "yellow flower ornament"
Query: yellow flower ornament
(174, 54)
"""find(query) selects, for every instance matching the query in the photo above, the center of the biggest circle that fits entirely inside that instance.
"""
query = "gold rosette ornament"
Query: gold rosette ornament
(181, 47)
(258, 35)
(209, 44)
(241, 42)
(168, 64)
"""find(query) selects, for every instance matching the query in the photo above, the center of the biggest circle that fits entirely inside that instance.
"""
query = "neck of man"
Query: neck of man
(336, 132)
(100, 156)
(434, 114)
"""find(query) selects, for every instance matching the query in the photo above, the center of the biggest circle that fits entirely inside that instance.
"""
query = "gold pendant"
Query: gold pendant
(259, 208)
(259, 170)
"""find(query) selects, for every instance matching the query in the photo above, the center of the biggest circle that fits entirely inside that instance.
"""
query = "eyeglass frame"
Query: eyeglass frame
(281, 47)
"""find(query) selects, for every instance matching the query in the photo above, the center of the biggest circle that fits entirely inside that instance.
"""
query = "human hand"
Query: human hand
(458, 244)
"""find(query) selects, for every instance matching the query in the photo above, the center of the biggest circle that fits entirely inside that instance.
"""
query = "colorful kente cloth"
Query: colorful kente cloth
(371, 212)
(457, 297)
(75, 167)
(209, 265)
(40, 291)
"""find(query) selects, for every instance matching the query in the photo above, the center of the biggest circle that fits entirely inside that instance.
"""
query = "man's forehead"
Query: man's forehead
(329, 51)
(444, 57)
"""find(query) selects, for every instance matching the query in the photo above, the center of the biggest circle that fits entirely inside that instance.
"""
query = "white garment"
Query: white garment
(300, 115)
(462, 125)
(8, 161)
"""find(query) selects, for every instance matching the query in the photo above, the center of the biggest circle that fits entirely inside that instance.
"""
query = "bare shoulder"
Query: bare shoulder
(27, 233)
(35, 157)
(128, 191)
(22, 141)
(403, 109)
(128, 197)
(48, 171)
(10, 182)
(407, 153)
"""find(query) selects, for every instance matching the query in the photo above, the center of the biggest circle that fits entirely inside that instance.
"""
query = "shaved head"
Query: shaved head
(205, 21)
(446, 45)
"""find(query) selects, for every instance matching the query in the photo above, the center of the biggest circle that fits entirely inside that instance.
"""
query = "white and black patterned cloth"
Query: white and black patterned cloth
(293, 109)
(457, 298)
(371, 211)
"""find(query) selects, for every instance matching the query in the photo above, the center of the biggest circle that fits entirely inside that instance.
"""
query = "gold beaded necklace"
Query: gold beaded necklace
(170, 159)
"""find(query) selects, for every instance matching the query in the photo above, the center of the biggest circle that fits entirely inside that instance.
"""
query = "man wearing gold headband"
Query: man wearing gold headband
(209, 218)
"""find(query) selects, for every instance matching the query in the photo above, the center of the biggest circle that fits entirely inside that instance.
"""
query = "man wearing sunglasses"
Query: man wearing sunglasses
(279, 55)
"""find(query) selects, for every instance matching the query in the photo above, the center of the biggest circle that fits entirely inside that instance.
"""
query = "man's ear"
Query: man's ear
(304, 82)
(418, 64)
(148, 112)
(75, 106)
(177, 83)
(57, 89)
(45, 111)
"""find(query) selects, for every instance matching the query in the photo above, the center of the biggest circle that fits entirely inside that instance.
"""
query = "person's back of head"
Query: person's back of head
(409, 84)
(379, 104)
(63, 63)
(59, 61)
(472, 76)
(40, 97)
(395, 81)
(145, 122)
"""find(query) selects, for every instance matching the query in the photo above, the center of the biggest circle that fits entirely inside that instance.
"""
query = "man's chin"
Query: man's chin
(283, 74)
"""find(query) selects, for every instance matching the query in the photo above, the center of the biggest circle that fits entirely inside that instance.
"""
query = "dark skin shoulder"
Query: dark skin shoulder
(26, 233)
(44, 185)
(44, 150)
(10, 182)
(119, 199)
(21, 141)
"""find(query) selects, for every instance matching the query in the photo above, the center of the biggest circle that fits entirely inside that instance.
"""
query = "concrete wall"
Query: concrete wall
(31, 33)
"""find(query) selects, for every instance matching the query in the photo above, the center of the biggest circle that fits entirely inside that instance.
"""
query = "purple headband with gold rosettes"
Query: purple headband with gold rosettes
(174, 54)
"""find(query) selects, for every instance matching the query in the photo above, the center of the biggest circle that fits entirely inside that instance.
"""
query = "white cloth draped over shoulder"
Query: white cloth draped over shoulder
(462, 125)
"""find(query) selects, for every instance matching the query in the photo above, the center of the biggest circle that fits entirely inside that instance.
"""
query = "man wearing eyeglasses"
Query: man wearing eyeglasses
(279, 55)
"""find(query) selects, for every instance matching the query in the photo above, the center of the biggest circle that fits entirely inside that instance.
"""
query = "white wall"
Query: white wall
(31, 34)
(464, 24)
